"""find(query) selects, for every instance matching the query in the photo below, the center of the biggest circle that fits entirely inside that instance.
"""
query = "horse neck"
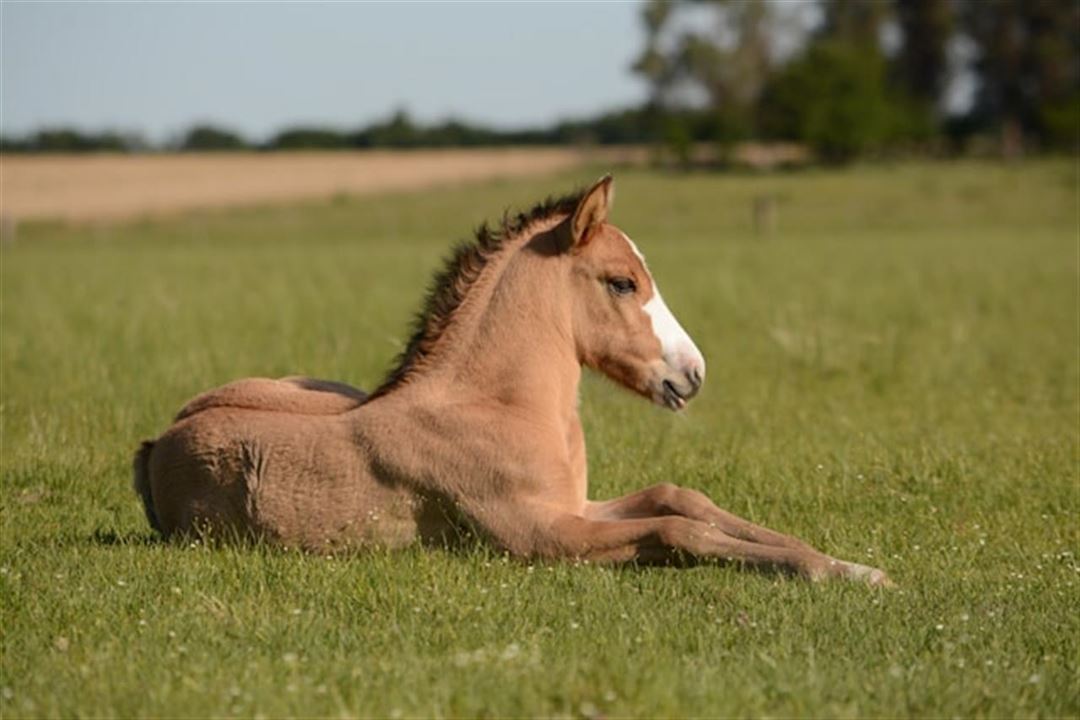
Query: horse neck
(512, 342)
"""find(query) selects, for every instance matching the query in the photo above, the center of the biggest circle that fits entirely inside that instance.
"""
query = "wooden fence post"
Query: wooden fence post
(764, 214)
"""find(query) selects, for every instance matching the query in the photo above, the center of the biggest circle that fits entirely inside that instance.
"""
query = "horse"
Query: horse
(475, 431)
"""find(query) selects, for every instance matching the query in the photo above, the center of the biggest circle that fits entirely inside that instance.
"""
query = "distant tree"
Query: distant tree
(9, 143)
(613, 128)
(732, 65)
(720, 62)
(1028, 69)
(398, 131)
(833, 97)
(70, 140)
(854, 22)
(455, 133)
(922, 63)
(62, 140)
(654, 66)
(308, 138)
(210, 138)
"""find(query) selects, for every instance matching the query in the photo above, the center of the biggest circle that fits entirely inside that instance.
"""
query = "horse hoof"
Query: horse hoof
(869, 575)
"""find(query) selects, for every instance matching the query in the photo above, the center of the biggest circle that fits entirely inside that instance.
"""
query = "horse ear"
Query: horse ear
(592, 210)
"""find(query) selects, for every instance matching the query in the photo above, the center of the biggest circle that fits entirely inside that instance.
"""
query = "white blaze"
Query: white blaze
(679, 350)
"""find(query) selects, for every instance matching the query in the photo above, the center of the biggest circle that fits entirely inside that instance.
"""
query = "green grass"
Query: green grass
(893, 376)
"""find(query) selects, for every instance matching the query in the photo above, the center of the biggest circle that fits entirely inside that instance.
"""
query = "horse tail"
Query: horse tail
(142, 481)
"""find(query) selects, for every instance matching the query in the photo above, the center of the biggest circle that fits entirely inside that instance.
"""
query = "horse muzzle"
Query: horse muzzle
(675, 389)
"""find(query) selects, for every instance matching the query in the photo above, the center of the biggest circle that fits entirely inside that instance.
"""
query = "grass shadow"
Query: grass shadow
(112, 538)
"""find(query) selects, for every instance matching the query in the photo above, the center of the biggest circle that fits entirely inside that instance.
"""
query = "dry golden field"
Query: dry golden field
(115, 187)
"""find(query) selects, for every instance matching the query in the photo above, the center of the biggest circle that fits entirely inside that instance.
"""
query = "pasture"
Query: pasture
(893, 376)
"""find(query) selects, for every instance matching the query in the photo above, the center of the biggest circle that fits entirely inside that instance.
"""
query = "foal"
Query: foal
(477, 427)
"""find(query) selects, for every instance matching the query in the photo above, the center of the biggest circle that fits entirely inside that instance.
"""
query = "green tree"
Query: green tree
(398, 131)
(308, 138)
(1028, 69)
(723, 62)
(833, 97)
(211, 138)
(922, 63)
(654, 66)
(70, 140)
(854, 22)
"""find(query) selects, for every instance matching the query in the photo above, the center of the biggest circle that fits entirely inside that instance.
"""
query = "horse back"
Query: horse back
(296, 395)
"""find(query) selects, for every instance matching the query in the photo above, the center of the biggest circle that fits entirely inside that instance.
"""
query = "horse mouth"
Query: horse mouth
(673, 399)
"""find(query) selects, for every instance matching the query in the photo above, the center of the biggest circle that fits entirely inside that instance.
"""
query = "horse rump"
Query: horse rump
(141, 466)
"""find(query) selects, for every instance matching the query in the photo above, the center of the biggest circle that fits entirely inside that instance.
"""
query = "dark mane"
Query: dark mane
(450, 285)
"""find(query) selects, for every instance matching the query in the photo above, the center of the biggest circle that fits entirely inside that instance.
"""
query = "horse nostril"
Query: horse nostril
(695, 378)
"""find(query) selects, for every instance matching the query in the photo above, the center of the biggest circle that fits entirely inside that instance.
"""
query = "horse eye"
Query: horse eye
(621, 285)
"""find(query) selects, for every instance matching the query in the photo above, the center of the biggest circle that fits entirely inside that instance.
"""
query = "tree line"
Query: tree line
(397, 132)
(845, 78)
(856, 77)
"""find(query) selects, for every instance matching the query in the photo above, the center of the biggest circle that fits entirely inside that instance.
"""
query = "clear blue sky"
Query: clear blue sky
(259, 66)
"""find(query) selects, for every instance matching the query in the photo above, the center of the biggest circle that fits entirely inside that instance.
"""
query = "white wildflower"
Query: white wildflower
(588, 710)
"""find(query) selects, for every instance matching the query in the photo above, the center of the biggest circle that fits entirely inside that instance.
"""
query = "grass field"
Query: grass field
(893, 375)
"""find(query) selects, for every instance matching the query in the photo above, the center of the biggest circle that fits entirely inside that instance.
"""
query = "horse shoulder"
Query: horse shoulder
(470, 452)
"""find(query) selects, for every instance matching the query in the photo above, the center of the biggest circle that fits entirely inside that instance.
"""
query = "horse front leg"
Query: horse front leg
(668, 499)
(670, 537)
(538, 530)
